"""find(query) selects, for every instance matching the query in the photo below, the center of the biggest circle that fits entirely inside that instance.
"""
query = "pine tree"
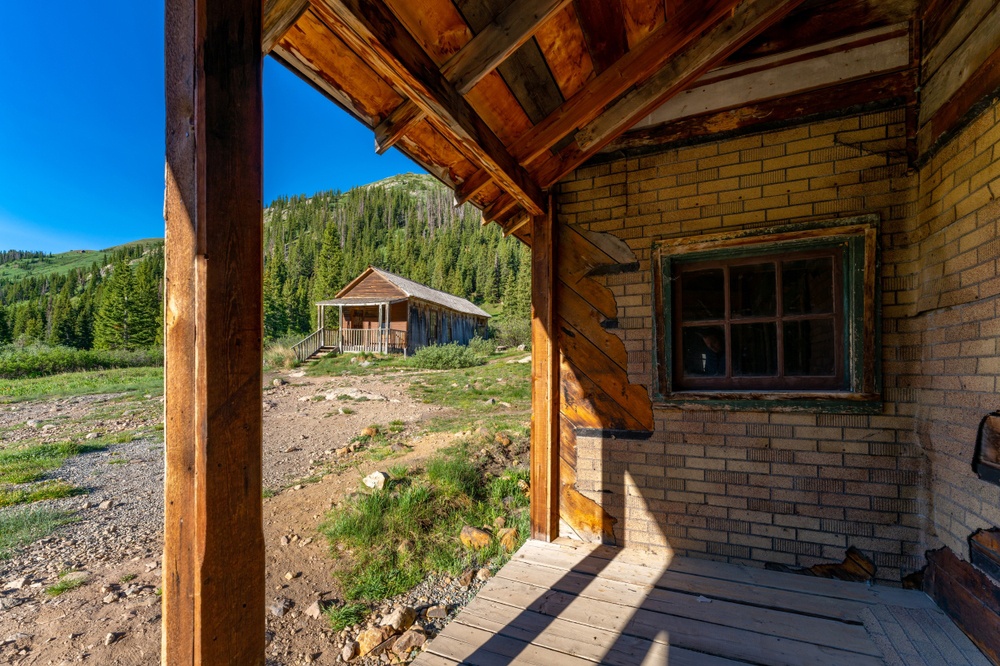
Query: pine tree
(63, 321)
(144, 307)
(113, 324)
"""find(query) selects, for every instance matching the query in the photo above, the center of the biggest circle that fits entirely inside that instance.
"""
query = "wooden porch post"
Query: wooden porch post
(213, 562)
(544, 382)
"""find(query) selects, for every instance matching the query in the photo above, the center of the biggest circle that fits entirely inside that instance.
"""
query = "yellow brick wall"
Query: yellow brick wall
(798, 488)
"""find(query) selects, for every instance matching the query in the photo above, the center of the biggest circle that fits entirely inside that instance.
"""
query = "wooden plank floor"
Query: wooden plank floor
(570, 603)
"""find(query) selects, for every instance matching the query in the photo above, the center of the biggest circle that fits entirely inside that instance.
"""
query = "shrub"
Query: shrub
(41, 360)
(511, 332)
(480, 346)
(279, 355)
(445, 357)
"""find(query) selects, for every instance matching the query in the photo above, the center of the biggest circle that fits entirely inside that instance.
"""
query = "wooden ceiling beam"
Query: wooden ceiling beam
(396, 125)
(279, 17)
(374, 33)
(707, 51)
(749, 20)
(498, 41)
(472, 186)
(641, 62)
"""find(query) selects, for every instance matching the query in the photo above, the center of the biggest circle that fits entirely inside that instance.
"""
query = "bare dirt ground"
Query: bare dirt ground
(114, 618)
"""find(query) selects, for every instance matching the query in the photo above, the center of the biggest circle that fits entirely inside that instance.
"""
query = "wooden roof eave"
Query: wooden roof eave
(666, 56)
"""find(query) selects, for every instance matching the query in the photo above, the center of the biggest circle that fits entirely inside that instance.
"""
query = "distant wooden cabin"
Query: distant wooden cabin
(383, 312)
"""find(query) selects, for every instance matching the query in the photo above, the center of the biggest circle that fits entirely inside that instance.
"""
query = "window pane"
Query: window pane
(809, 347)
(807, 286)
(702, 295)
(752, 290)
(755, 349)
(704, 351)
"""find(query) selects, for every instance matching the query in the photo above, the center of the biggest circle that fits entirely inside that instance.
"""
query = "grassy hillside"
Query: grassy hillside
(59, 263)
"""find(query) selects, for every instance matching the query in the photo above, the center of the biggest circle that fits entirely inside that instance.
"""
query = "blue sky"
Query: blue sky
(81, 128)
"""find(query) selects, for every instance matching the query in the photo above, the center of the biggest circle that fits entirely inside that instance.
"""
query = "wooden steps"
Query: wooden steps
(569, 603)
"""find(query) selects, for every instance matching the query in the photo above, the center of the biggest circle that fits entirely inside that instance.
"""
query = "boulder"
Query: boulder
(508, 538)
(400, 619)
(475, 538)
(376, 480)
(369, 639)
(465, 580)
(410, 640)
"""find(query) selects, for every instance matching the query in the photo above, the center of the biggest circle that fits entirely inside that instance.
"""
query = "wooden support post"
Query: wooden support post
(544, 382)
(213, 562)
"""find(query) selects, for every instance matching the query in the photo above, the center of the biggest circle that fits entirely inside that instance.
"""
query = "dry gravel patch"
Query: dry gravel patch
(114, 617)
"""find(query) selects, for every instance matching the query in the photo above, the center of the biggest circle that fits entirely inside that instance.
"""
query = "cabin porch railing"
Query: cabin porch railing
(379, 341)
(376, 340)
(310, 345)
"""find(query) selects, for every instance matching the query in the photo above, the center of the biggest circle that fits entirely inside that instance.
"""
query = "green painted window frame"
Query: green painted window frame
(859, 239)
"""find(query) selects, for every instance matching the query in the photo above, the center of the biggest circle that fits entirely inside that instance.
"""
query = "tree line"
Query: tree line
(114, 304)
(314, 246)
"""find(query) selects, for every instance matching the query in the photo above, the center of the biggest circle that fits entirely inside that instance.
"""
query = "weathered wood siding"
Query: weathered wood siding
(431, 324)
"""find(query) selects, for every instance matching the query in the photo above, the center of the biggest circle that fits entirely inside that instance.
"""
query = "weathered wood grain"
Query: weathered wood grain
(213, 593)
(564, 48)
(373, 30)
(968, 596)
(279, 16)
(544, 383)
(603, 23)
(747, 20)
(396, 125)
(498, 40)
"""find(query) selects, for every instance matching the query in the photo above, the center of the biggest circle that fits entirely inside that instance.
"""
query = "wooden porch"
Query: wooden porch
(569, 603)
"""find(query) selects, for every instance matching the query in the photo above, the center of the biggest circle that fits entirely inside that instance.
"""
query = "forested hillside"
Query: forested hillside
(407, 225)
(313, 247)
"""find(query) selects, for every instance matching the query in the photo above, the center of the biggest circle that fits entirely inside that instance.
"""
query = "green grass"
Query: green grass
(505, 382)
(29, 464)
(341, 364)
(64, 585)
(124, 380)
(344, 616)
(36, 492)
(127, 578)
(410, 529)
(23, 525)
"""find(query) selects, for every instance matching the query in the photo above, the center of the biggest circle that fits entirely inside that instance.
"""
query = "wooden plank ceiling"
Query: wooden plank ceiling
(502, 98)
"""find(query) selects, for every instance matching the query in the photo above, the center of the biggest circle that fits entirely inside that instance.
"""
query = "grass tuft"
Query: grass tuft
(64, 585)
(341, 617)
(410, 529)
(23, 525)
(37, 492)
(29, 464)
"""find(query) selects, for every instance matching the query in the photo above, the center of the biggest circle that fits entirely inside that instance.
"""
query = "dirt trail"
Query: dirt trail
(114, 619)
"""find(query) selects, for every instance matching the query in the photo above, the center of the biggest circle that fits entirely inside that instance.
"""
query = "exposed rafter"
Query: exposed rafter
(279, 16)
(700, 55)
(495, 43)
(396, 125)
(633, 68)
(371, 29)
(471, 186)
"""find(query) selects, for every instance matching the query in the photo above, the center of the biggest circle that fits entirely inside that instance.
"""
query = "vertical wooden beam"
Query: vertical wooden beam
(213, 563)
(544, 382)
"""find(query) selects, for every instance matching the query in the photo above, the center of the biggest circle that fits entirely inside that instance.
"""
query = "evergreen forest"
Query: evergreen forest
(313, 247)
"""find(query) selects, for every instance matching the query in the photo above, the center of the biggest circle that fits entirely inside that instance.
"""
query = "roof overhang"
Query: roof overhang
(501, 99)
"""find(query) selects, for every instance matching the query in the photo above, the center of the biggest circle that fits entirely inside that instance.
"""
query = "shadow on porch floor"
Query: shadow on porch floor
(570, 603)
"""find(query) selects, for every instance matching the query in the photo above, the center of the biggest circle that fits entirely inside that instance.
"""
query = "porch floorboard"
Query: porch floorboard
(573, 603)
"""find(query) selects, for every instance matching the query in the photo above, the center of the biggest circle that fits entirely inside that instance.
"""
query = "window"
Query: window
(784, 315)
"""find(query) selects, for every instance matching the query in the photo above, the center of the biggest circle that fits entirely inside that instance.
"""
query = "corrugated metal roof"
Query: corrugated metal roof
(415, 290)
